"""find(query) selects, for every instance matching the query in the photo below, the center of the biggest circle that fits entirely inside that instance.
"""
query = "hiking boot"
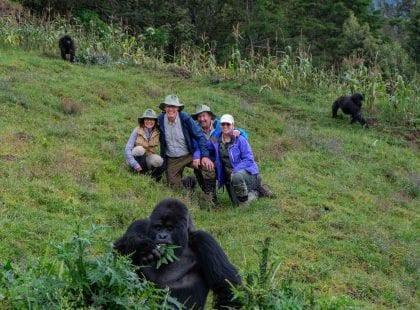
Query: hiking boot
(188, 183)
(265, 191)
(252, 195)
(209, 188)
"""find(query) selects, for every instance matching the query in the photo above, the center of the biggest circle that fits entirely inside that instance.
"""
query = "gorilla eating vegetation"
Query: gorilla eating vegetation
(201, 266)
(67, 47)
(350, 105)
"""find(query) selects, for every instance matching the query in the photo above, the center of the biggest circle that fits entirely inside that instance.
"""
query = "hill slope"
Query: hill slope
(345, 221)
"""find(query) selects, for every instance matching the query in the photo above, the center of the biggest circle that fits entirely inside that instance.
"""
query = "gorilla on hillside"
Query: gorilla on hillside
(201, 266)
(351, 105)
(67, 47)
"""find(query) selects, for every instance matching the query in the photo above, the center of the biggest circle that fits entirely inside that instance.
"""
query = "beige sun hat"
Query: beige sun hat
(200, 108)
(171, 100)
(149, 113)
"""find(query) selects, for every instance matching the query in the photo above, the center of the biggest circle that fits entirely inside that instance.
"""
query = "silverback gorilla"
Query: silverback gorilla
(201, 266)
(350, 105)
(67, 47)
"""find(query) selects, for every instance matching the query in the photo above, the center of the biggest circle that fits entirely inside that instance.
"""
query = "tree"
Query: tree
(413, 33)
(356, 39)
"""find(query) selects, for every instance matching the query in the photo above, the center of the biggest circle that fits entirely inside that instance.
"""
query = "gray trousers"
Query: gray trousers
(241, 184)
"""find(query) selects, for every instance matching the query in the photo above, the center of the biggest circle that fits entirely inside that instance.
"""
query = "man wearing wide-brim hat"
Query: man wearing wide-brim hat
(182, 142)
(212, 129)
(210, 126)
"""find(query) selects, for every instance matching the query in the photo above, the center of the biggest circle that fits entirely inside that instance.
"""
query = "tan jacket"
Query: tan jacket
(149, 146)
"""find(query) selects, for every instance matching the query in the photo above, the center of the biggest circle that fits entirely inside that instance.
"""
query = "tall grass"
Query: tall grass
(395, 99)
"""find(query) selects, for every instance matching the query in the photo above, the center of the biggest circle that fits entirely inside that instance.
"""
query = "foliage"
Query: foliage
(371, 68)
(265, 289)
(346, 213)
(167, 255)
(267, 27)
(261, 290)
(73, 278)
(357, 39)
(413, 35)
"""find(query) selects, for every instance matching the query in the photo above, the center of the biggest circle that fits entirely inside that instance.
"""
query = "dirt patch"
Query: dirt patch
(8, 157)
(412, 136)
(23, 136)
(104, 97)
(179, 71)
(276, 225)
(276, 149)
(154, 92)
(70, 106)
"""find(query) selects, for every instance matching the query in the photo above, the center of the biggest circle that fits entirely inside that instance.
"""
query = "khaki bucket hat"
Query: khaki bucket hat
(149, 113)
(200, 108)
(171, 100)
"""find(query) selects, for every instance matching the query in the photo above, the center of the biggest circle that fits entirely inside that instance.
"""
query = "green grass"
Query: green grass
(345, 223)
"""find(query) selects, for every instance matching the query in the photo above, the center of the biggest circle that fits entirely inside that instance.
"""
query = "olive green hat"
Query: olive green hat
(149, 113)
(200, 108)
(171, 100)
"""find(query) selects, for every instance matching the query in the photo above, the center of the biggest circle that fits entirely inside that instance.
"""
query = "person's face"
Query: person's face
(226, 128)
(204, 119)
(149, 123)
(171, 111)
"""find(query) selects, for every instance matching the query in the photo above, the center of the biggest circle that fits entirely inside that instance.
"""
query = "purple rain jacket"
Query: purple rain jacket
(240, 155)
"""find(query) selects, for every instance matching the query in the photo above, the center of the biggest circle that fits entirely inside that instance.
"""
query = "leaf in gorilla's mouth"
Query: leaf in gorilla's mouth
(167, 252)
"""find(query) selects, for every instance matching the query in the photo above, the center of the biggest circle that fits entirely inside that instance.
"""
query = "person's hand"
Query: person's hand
(207, 163)
(196, 163)
(138, 169)
(236, 132)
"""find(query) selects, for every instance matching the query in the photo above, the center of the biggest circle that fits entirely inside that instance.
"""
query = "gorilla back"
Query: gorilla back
(201, 266)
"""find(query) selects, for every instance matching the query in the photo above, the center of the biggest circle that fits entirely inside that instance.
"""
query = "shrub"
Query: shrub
(74, 279)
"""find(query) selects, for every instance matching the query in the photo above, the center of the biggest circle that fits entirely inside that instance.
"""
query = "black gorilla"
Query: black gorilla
(67, 47)
(201, 266)
(350, 105)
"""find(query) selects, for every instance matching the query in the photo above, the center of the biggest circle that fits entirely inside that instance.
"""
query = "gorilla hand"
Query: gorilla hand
(147, 251)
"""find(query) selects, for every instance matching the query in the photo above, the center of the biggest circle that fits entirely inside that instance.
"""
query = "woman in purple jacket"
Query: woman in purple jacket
(235, 164)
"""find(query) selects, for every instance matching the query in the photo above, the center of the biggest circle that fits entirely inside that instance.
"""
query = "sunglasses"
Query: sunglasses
(225, 124)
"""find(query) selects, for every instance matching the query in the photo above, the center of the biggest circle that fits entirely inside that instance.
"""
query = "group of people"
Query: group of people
(218, 153)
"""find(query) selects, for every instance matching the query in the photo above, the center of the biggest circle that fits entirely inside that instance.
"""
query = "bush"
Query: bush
(74, 279)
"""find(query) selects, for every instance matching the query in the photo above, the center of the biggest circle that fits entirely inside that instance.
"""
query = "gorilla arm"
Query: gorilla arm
(336, 106)
(136, 241)
(215, 267)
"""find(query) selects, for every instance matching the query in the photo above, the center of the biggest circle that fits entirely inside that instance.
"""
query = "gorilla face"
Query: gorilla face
(169, 224)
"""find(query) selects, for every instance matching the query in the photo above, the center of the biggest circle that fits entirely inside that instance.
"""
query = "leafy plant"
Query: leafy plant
(260, 289)
(73, 278)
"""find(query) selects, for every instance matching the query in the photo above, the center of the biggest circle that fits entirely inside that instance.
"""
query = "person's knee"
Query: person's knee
(138, 151)
(154, 160)
(238, 178)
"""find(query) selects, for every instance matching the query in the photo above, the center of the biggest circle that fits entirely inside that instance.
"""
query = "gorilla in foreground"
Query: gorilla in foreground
(67, 47)
(201, 266)
(351, 105)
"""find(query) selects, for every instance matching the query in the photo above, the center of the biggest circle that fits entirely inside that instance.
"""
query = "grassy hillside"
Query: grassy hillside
(346, 220)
